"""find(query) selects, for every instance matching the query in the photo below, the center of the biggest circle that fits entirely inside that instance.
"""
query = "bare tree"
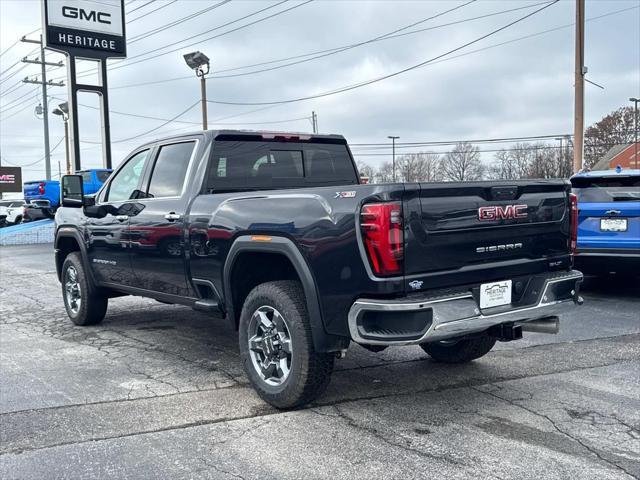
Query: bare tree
(612, 130)
(366, 170)
(512, 163)
(418, 167)
(385, 173)
(462, 163)
(532, 160)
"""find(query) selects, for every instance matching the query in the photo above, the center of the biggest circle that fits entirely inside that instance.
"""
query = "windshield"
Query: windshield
(604, 189)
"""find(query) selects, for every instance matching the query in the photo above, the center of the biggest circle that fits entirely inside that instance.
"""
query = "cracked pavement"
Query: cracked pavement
(157, 391)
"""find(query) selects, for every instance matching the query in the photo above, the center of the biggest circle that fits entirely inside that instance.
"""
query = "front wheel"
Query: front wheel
(459, 351)
(276, 346)
(84, 304)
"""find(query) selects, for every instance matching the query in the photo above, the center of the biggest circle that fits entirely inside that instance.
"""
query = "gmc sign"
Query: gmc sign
(10, 179)
(86, 28)
(498, 212)
(89, 15)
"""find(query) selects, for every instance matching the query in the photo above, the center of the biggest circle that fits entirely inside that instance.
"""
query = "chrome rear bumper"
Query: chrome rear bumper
(458, 315)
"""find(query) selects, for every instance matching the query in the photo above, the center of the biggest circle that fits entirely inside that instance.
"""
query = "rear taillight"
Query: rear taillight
(383, 237)
(41, 188)
(573, 233)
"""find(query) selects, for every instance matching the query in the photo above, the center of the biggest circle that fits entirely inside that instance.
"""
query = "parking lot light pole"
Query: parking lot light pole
(393, 150)
(199, 62)
(635, 121)
(63, 111)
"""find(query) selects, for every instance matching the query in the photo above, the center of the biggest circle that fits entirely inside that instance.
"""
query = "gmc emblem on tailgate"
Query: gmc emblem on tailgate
(497, 212)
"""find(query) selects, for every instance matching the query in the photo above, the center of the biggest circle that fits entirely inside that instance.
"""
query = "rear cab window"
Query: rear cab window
(606, 189)
(238, 163)
(169, 173)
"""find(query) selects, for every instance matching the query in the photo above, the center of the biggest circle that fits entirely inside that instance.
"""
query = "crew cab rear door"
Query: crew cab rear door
(156, 233)
(472, 232)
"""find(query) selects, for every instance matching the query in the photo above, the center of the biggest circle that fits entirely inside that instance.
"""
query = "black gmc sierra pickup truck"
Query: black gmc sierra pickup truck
(275, 233)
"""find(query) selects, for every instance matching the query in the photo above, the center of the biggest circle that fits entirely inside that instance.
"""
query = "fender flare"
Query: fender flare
(72, 232)
(323, 342)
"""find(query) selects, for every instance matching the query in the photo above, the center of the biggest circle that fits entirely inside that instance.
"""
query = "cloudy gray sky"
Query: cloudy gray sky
(489, 89)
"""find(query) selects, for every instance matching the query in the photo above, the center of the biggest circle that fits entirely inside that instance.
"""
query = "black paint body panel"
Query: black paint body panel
(319, 227)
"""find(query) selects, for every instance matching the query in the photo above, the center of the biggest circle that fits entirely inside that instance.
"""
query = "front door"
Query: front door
(157, 233)
(107, 232)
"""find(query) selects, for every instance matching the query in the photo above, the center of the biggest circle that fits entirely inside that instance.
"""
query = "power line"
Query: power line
(532, 148)
(387, 36)
(33, 96)
(128, 62)
(141, 6)
(166, 26)
(488, 47)
(40, 159)
(14, 101)
(147, 117)
(394, 74)
(164, 5)
(453, 142)
(160, 126)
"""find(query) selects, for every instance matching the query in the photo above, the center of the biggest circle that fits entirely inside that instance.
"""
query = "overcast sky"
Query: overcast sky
(522, 88)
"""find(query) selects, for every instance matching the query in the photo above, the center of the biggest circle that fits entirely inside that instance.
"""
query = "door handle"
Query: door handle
(613, 212)
(173, 216)
(122, 218)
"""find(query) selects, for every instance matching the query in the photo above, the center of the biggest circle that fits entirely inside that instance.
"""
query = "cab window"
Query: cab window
(124, 185)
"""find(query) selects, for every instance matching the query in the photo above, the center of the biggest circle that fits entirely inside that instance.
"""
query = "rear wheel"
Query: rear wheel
(459, 351)
(276, 346)
(84, 304)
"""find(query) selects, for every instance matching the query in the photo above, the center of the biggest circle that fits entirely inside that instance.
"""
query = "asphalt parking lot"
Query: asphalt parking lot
(157, 391)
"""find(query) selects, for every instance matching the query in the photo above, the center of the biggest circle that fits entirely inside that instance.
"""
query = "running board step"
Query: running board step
(207, 305)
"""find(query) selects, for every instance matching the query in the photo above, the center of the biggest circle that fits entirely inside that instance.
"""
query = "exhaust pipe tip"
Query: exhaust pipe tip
(549, 325)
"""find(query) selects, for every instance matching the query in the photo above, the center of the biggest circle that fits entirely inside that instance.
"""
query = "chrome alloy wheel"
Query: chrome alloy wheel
(72, 290)
(270, 345)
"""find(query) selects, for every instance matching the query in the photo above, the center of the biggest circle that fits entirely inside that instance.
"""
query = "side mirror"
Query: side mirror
(72, 191)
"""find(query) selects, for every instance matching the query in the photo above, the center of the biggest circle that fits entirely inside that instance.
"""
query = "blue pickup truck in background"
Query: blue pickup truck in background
(608, 221)
(45, 194)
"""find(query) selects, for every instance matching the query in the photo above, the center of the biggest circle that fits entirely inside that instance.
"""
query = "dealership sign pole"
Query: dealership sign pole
(86, 30)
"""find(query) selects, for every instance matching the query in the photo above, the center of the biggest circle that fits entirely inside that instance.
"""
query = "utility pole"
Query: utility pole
(203, 94)
(393, 154)
(635, 121)
(561, 155)
(314, 122)
(580, 70)
(199, 63)
(45, 112)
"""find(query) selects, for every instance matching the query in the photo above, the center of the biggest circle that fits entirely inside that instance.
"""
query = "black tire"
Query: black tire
(49, 212)
(310, 371)
(18, 220)
(93, 304)
(462, 351)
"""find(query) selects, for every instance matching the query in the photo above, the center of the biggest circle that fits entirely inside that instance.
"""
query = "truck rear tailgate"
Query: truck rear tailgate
(460, 233)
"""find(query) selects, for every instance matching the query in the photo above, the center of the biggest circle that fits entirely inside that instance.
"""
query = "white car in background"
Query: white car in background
(12, 211)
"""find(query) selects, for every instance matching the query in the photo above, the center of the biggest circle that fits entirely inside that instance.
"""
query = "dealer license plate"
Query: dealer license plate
(613, 224)
(495, 294)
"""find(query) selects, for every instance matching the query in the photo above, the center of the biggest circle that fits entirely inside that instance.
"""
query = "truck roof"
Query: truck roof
(608, 173)
(266, 134)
